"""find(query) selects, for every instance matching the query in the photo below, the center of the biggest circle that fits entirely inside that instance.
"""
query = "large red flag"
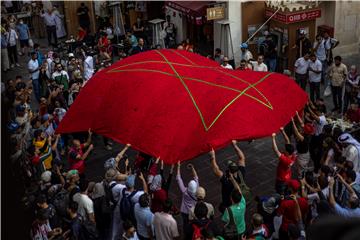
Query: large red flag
(177, 105)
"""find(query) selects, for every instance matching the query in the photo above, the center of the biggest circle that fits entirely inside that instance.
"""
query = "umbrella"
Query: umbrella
(177, 105)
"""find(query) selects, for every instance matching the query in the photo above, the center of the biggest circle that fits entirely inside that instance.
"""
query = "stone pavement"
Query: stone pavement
(260, 160)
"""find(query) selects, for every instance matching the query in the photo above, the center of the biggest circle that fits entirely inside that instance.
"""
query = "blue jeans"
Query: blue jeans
(271, 64)
(36, 87)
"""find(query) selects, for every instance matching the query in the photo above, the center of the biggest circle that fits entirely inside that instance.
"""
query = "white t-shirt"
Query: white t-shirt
(85, 205)
(330, 41)
(228, 66)
(32, 65)
(320, 125)
(320, 52)
(317, 66)
(247, 55)
(165, 226)
(301, 66)
(88, 67)
(12, 37)
(351, 154)
(259, 67)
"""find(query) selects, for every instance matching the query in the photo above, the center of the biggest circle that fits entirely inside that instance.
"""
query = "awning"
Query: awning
(193, 9)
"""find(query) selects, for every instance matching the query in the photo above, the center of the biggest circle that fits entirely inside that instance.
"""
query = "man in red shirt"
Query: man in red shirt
(286, 160)
(353, 114)
(77, 155)
(293, 209)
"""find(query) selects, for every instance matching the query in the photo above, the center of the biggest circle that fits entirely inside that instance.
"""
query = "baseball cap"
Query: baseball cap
(20, 108)
(110, 164)
(244, 45)
(71, 173)
(200, 193)
(130, 181)
(71, 55)
(46, 176)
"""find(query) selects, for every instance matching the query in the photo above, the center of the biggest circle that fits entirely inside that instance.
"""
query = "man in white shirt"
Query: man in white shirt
(226, 64)
(12, 38)
(33, 67)
(259, 65)
(50, 22)
(320, 51)
(301, 70)
(330, 44)
(164, 223)
(85, 204)
(315, 70)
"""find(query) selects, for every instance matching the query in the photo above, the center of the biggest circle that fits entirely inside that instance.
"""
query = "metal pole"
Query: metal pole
(262, 25)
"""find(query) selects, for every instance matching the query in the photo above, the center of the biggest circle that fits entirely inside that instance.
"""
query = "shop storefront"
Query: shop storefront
(285, 26)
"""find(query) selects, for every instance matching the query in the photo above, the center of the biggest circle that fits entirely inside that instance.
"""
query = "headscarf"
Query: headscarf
(98, 190)
(348, 139)
(192, 187)
(156, 183)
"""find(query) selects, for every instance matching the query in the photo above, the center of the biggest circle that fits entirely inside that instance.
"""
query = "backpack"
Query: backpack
(88, 230)
(108, 202)
(197, 235)
(230, 229)
(127, 207)
(61, 202)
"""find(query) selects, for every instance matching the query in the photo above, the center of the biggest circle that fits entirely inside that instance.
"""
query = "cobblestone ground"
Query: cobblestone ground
(260, 163)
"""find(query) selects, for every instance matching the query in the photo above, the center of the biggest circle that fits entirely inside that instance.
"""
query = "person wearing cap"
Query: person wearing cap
(303, 44)
(235, 167)
(33, 67)
(301, 67)
(200, 196)
(245, 53)
(302, 143)
(286, 160)
(130, 192)
(293, 208)
(225, 63)
(188, 193)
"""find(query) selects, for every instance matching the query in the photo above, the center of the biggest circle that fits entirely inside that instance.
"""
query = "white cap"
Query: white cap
(266, 33)
(71, 55)
(46, 176)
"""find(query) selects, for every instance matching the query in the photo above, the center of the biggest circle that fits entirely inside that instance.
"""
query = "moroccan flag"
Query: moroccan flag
(177, 105)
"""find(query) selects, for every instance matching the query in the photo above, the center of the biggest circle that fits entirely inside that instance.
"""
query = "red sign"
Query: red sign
(294, 17)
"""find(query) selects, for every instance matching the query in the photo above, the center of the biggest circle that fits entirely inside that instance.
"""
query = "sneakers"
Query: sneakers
(12, 66)
(18, 65)
(108, 147)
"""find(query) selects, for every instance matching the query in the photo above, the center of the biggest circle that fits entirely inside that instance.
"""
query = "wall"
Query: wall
(233, 14)
(179, 22)
(253, 13)
(327, 14)
(347, 27)
(72, 22)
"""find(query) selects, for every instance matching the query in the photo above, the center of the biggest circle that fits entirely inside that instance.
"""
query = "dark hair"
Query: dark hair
(236, 196)
(73, 206)
(351, 174)
(312, 55)
(289, 148)
(243, 61)
(325, 169)
(18, 76)
(37, 133)
(83, 185)
(167, 205)
(36, 45)
(200, 210)
(144, 200)
(218, 50)
(338, 58)
(127, 225)
(42, 215)
(349, 165)
(41, 199)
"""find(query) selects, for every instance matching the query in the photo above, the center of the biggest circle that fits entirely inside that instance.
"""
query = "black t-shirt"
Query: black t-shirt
(75, 228)
(227, 187)
(271, 52)
(303, 146)
(306, 46)
(83, 14)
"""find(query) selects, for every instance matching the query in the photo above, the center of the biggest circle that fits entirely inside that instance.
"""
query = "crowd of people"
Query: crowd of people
(317, 176)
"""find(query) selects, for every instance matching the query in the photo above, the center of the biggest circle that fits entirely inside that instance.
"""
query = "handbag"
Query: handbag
(230, 229)
(31, 43)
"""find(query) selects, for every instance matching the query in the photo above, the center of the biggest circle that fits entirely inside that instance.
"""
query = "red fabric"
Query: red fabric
(159, 197)
(353, 116)
(141, 100)
(284, 167)
(77, 164)
(288, 211)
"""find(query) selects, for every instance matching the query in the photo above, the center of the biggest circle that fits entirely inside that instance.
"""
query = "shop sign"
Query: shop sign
(294, 17)
(215, 13)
